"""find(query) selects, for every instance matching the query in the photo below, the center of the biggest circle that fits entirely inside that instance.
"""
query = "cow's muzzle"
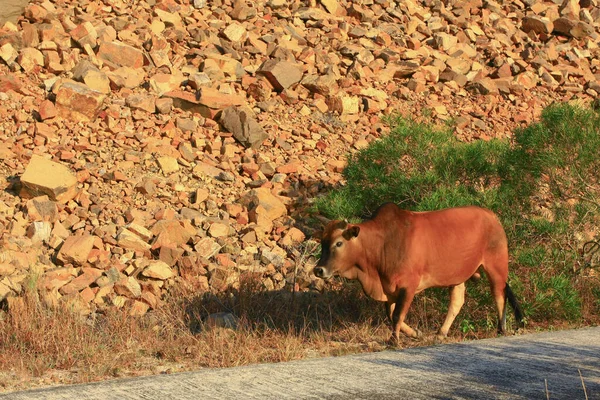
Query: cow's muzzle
(319, 272)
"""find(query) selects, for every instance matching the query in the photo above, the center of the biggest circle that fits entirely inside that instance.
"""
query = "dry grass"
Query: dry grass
(44, 346)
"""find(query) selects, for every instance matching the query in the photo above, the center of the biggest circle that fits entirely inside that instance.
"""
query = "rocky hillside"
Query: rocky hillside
(160, 142)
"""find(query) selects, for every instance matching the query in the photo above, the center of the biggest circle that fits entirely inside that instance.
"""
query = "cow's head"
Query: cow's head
(339, 250)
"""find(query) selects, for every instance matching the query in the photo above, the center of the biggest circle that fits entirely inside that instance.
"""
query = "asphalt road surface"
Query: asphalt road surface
(533, 366)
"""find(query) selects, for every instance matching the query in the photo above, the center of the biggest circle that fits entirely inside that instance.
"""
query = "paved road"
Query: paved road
(515, 367)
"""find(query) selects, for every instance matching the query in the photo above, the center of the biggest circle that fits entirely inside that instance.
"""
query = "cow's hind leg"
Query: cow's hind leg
(500, 297)
(457, 299)
(400, 309)
(497, 285)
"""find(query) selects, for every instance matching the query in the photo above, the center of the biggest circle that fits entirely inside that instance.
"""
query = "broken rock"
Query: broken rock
(129, 240)
(42, 209)
(240, 121)
(45, 177)
(77, 101)
(128, 287)
(158, 270)
(76, 249)
(88, 276)
(264, 207)
(118, 54)
(89, 74)
(281, 74)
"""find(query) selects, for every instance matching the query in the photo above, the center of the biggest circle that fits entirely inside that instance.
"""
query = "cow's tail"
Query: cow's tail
(510, 296)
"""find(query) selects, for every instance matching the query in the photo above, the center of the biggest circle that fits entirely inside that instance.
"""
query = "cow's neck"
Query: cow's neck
(368, 276)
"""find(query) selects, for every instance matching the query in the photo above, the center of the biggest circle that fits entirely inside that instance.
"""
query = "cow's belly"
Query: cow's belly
(445, 276)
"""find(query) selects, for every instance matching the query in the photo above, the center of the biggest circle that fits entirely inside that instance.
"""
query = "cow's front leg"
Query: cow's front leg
(399, 311)
(404, 327)
(389, 310)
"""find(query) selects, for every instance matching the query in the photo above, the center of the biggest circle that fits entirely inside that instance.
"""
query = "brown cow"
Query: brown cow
(399, 253)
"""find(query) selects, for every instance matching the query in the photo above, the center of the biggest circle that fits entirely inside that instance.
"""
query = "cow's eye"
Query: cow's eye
(338, 244)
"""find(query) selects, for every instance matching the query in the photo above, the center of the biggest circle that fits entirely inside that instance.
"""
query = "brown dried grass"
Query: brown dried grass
(42, 346)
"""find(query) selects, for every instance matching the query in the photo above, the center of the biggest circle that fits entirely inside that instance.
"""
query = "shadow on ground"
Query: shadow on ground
(285, 310)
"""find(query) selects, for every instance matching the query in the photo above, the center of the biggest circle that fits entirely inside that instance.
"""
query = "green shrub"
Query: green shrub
(555, 297)
(544, 185)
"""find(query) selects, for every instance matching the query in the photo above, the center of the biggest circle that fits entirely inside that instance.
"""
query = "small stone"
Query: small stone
(87, 294)
(170, 255)
(85, 34)
(198, 4)
(47, 110)
(164, 105)
(168, 164)
(444, 41)
(207, 104)
(264, 207)
(218, 229)
(332, 6)
(142, 101)
(564, 26)
(6, 269)
(126, 77)
(217, 100)
(198, 80)
(344, 104)
(483, 86)
(89, 74)
(87, 277)
(223, 320)
(174, 232)
(186, 124)
(240, 121)
(42, 209)
(138, 308)
(169, 18)
(9, 82)
(146, 186)
(207, 248)
(36, 13)
(293, 237)
(158, 270)
(45, 177)
(163, 83)
(76, 249)
(539, 25)
(242, 12)
(281, 74)
(129, 240)
(200, 195)
(119, 54)
(139, 230)
(29, 58)
(39, 231)
(128, 287)
(57, 278)
(5, 291)
(8, 53)
(77, 101)
(235, 32)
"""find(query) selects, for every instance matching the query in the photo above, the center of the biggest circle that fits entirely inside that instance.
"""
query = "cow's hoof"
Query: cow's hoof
(417, 335)
(393, 341)
(440, 338)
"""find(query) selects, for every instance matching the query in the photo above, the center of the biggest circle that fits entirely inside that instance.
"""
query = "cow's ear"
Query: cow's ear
(351, 232)
(318, 235)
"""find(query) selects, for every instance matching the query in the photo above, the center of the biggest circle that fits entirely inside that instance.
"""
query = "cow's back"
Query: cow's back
(439, 246)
